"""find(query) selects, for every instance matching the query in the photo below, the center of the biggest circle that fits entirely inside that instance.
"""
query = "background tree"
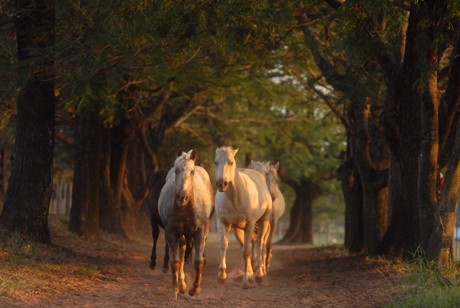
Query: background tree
(384, 41)
(30, 186)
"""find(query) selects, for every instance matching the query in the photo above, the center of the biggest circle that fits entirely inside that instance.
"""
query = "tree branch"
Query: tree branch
(286, 178)
(335, 4)
(332, 76)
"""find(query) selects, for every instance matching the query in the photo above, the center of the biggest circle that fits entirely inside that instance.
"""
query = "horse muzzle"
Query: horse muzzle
(222, 185)
(182, 200)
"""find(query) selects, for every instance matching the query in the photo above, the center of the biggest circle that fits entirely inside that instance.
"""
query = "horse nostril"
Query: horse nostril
(225, 184)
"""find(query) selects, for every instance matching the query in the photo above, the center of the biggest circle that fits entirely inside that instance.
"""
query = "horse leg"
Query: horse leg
(247, 252)
(166, 258)
(175, 264)
(155, 234)
(273, 227)
(188, 252)
(200, 244)
(223, 230)
(182, 248)
(260, 248)
(239, 235)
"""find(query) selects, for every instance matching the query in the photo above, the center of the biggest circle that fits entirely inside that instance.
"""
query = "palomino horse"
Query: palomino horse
(242, 200)
(279, 205)
(186, 205)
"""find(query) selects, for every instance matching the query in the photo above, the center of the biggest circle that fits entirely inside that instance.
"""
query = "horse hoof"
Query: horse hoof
(259, 279)
(194, 291)
(152, 266)
(245, 285)
(182, 288)
(222, 276)
(221, 280)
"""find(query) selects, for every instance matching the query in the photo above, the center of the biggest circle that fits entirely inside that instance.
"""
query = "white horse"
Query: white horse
(279, 204)
(185, 206)
(242, 200)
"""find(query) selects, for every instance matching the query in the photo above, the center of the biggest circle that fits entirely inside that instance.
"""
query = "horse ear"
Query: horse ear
(277, 165)
(193, 154)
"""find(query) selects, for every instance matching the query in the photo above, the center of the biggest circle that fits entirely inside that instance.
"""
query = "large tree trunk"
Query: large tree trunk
(441, 241)
(429, 171)
(301, 216)
(30, 186)
(404, 234)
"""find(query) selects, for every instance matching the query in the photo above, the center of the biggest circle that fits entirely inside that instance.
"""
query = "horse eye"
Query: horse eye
(192, 172)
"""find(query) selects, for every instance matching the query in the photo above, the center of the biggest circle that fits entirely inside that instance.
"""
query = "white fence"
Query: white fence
(61, 200)
(456, 242)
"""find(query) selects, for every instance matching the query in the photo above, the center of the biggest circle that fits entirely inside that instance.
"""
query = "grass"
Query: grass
(87, 270)
(430, 285)
(27, 265)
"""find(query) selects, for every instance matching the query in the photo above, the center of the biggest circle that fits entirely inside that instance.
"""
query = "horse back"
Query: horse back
(260, 188)
(204, 194)
(156, 182)
(166, 200)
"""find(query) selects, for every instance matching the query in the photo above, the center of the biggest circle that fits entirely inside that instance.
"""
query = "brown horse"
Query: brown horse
(186, 205)
(156, 182)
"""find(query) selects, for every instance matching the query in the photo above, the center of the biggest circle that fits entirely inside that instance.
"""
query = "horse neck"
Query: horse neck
(234, 184)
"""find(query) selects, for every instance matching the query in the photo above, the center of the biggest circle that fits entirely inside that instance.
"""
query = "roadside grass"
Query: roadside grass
(28, 265)
(429, 285)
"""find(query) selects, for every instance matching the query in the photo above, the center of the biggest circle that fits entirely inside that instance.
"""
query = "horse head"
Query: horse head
(272, 180)
(262, 167)
(184, 168)
(225, 167)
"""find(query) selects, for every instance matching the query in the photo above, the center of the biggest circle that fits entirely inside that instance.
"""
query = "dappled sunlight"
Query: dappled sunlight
(96, 273)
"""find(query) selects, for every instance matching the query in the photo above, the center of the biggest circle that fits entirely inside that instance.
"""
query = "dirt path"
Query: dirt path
(298, 277)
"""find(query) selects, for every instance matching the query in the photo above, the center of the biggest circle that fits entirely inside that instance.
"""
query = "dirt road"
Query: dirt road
(299, 277)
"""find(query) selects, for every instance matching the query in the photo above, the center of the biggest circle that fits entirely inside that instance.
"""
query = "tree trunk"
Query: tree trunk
(30, 186)
(371, 159)
(404, 233)
(135, 188)
(429, 171)
(441, 240)
(353, 196)
(88, 163)
(301, 216)
(114, 172)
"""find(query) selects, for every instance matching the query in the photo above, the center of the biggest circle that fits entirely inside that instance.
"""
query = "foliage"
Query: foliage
(235, 64)
(431, 285)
